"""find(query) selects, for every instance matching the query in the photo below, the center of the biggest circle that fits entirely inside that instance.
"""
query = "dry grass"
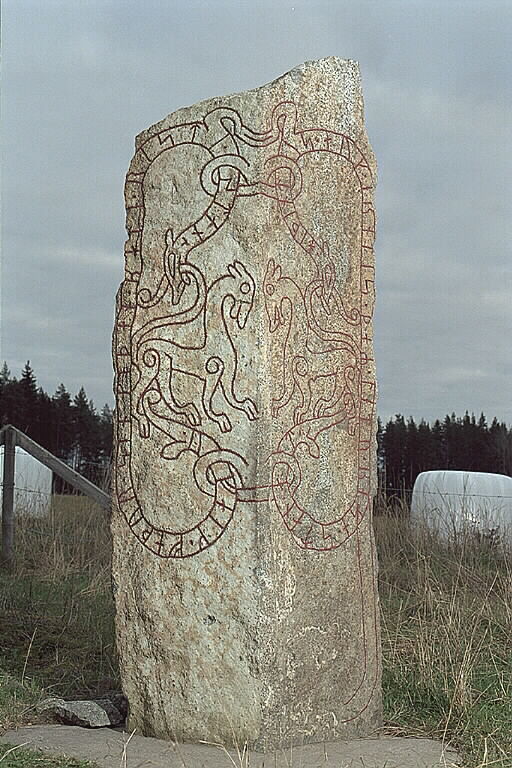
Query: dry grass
(73, 539)
(447, 629)
(56, 609)
(446, 626)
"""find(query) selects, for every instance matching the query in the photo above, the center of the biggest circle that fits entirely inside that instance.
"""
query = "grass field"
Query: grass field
(447, 639)
(446, 630)
(14, 757)
(56, 610)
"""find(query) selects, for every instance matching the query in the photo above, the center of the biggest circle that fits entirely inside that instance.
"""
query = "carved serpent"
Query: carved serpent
(227, 176)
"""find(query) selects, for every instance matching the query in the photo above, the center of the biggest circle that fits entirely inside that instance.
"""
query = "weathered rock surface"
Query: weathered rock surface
(111, 749)
(101, 713)
(244, 563)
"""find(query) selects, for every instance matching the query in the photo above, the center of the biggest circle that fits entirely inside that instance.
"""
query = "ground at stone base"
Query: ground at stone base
(113, 748)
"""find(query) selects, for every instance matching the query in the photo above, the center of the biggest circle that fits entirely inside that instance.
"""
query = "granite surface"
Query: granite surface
(244, 562)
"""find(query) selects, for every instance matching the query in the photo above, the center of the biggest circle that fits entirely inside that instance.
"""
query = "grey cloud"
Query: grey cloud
(80, 80)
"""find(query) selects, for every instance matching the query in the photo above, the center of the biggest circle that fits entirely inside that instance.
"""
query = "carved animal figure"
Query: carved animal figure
(211, 358)
(318, 369)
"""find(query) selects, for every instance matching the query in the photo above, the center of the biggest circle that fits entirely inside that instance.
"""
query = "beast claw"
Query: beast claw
(224, 423)
(173, 451)
(250, 408)
(193, 416)
(143, 426)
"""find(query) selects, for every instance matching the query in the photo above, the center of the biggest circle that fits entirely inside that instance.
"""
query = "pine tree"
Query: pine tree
(426, 448)
(106, 435)
(500, 448)
(46, 420)
(450, 434)
(413, 460)
(5, 375)
(28, 416)
(86, 434)
(394, 443)
(438, 446)
(5, 391)
(63, 428)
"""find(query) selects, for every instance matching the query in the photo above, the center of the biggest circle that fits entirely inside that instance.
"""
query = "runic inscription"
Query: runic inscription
(243, 562)
(179, 383)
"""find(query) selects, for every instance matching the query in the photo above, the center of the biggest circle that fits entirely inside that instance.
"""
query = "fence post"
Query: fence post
(7, 554)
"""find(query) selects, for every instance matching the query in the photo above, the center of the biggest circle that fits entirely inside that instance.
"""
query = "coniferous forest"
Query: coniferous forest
(69, 427)
(72, 429)
(465, 443)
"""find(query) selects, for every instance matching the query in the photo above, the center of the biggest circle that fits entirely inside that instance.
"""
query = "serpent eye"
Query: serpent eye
(245, 288)
(269, 290)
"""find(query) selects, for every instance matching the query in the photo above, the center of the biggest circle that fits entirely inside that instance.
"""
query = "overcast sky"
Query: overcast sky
(82, 77)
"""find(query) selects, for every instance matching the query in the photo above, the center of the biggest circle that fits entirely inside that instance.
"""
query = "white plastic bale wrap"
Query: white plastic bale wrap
(451, 502)
(32, 484)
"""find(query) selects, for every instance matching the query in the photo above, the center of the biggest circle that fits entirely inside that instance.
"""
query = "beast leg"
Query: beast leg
(188, 410)
(302, 381)
(287, 387)
(148, 368)
(245, 404)
(214, 369)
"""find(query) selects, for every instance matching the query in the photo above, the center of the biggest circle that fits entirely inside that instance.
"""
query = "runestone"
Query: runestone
(243, 556)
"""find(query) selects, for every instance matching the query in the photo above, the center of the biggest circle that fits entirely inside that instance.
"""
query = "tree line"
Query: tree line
(405, 448)
(73, 430)
(70, 428)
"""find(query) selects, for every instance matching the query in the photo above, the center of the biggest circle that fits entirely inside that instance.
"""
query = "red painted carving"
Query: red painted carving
(325, 375)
